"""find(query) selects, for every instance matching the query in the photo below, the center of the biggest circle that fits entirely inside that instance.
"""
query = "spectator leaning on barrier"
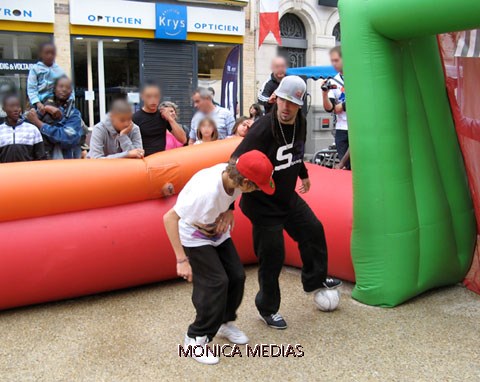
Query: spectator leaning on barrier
(154, 122)
(19, 140)
(61, 123)
(242, 124)
(333, 92)
(117, 136)
(224, 120)
(266, 96)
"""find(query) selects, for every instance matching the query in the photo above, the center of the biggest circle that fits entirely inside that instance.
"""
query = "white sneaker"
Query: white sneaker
(204, 356)
(232, 333)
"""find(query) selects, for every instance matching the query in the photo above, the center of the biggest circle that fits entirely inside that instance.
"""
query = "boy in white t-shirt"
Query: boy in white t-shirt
(207, 255)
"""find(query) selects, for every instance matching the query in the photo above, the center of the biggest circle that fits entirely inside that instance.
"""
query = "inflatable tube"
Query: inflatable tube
(79, 253)
(414, 224)
(52, 187)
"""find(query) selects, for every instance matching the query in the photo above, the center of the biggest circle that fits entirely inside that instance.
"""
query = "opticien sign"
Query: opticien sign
(116, 19)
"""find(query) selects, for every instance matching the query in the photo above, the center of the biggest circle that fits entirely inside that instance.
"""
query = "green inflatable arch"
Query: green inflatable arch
(414, 224)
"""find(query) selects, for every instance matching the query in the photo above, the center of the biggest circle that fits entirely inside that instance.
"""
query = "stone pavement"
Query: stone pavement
(133, 335)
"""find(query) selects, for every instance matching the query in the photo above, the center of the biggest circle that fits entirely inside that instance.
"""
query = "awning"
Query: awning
(314, 72)
(468, 44)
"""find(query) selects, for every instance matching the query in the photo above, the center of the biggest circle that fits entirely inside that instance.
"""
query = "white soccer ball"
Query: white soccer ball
(327, 300)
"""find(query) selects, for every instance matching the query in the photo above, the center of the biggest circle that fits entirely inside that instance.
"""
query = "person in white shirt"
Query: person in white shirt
(203, 102)
(333, 92)
(200, 237)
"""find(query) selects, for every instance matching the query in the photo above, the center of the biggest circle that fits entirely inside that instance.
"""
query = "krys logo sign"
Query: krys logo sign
(171, 22)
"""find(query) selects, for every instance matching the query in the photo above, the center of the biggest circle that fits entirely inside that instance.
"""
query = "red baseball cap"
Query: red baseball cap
(255, 166)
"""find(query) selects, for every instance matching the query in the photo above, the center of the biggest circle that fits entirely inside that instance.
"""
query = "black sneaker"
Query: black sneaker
(331, 283)
(275, 321)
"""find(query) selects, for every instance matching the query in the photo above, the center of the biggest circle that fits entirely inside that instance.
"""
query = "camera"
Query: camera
(328, 86)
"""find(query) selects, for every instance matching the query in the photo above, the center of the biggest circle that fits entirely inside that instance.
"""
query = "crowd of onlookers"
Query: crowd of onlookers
(53, 127)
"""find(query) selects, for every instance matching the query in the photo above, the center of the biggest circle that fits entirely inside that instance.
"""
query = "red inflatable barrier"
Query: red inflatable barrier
(79, 253)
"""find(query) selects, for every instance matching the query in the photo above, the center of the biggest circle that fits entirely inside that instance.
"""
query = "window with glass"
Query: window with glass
(17, 52)
(121, 73)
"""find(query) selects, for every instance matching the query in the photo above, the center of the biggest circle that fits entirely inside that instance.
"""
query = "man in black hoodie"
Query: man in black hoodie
(266, 96)
(281, 137)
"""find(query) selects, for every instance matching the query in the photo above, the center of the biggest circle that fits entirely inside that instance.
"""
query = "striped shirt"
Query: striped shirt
(223, 119)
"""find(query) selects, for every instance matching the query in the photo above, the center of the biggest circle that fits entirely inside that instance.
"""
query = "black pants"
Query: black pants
(302, 226)
(341, 141)
(218, 284)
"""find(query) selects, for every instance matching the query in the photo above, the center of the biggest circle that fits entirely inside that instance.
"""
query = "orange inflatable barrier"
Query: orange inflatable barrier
(73, 228)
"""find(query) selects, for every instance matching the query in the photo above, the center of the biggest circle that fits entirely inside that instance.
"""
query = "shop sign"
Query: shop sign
(216, 21)
(174, 21)
(168, 20)
(34, 11)
(16, 66)
(171, 22)
(106, 13)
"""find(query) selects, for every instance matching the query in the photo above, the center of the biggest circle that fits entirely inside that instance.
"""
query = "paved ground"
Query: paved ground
(133, 335)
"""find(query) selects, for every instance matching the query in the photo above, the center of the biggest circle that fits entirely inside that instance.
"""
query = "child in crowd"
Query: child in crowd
(42, 77)
(242, 124)
(19, 141)
(207, 131)
(116, 136)
(204, 250)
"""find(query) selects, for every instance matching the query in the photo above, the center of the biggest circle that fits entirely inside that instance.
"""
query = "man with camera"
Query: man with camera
(333, 93)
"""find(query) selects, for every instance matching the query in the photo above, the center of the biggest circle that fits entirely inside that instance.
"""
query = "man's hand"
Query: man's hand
(185, 270)
(273, 98)
(225, 221)
(40, 107)
(55, 112)
(305, 187)
(339, 166)
(127, 130)
(136, 154)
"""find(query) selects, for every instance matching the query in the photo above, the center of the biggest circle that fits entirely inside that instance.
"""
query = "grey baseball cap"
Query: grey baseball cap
(292, 88)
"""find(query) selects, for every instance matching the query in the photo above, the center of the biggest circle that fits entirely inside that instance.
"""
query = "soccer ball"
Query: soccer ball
(327, 300)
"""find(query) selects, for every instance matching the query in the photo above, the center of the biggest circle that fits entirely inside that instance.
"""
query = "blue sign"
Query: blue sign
(171, 22)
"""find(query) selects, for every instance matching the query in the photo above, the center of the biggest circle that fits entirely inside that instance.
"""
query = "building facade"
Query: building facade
(111, 47)
(309, 30)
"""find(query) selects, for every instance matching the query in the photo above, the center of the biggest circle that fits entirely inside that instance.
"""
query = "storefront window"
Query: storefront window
(219, 68)
(17, 52)
(121, 72)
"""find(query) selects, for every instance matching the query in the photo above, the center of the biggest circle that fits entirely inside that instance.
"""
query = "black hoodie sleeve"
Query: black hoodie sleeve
(303, 174)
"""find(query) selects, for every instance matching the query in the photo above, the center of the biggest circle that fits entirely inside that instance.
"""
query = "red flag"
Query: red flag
(269, 21)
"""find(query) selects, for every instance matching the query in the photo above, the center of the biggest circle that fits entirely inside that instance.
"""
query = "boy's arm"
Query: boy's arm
(69, 131)
(96, 147)
(127, 143)
(137, 139)
(171, 219)
(32, 87)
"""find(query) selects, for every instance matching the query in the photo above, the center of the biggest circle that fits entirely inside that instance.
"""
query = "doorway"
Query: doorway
(104, 70)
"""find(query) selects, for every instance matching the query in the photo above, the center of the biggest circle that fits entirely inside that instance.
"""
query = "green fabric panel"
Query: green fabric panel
(414, 227)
